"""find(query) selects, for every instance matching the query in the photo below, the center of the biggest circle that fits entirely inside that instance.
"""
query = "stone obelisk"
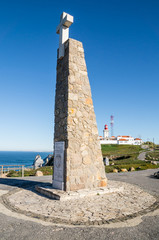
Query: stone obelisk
(78, 162)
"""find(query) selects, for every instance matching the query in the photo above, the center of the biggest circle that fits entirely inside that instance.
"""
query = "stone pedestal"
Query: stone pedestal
(75, 125)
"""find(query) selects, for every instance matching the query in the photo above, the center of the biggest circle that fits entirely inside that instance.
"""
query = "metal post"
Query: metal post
(153, 144)
(23, 171)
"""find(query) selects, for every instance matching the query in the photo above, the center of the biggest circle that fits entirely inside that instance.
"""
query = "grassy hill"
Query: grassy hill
(125, 156)
(120, 150)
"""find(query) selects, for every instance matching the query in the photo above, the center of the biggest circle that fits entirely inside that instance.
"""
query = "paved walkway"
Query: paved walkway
(19, 226)
(124, 201)
(142, 156)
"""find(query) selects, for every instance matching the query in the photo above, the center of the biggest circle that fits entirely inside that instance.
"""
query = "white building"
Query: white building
(121, 140)
(138, 141)
(125, 140)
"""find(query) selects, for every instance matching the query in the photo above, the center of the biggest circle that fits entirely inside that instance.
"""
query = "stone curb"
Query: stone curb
(4, 200)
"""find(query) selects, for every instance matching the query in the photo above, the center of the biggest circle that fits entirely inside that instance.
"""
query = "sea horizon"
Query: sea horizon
(24, 151)
(21, 157)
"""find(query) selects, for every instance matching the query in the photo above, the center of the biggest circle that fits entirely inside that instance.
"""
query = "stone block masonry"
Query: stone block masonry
(75, 122)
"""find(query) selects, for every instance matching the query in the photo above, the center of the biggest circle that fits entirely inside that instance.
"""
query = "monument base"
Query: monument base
(58, 185)
(57, 194)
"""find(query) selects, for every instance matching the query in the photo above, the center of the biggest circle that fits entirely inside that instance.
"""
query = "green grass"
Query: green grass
(31, 172)
(137, 167)
(121, 152)
(114, 149)
(13, 173)
(126, 161)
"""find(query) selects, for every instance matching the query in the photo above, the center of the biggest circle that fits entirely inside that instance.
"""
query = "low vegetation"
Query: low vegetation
(141, 165)
(125, 157)
(31, 172)
(120, 150)
(154, 155)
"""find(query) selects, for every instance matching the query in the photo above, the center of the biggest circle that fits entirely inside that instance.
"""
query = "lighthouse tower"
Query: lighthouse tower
(106, 132)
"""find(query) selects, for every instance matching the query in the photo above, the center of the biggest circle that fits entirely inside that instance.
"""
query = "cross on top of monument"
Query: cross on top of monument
(63, 30)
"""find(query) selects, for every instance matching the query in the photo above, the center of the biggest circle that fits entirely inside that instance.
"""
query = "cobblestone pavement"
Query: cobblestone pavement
(18, 226)
(87, 210)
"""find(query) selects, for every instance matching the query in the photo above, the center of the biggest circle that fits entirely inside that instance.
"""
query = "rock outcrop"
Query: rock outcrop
(48, 161)
(38, 162)
(39, 173)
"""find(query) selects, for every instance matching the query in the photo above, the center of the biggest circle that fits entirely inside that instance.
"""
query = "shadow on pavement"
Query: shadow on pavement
(154, 176)
(25, 184)
(22, 183)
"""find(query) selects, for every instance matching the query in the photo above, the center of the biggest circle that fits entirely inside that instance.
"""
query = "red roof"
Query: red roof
(123, 139)
(125, 136)
(137, 138)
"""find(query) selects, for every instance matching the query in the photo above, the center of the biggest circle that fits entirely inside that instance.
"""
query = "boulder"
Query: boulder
(156, 174)
(47, 160)
(154, 162)
(124, 170)
(38, 162)
(132, 169)
(115, 170)
(39, 173)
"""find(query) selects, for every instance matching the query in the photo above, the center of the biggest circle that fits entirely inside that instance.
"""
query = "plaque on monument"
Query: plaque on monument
(58, 176)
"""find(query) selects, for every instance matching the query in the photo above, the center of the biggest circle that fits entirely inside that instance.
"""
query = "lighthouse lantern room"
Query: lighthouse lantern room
(106, 132)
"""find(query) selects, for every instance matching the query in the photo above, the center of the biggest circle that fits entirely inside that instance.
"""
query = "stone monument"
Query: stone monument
(78, 162)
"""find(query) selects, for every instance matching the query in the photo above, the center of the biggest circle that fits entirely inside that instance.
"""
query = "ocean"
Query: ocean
(20, 158)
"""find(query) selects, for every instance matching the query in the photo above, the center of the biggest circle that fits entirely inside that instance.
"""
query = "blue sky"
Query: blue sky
(121, 42)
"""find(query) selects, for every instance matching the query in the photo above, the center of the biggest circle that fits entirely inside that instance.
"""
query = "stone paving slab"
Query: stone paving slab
(91, 210)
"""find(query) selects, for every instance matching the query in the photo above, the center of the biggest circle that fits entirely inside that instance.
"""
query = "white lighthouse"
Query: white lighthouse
(106, 132)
